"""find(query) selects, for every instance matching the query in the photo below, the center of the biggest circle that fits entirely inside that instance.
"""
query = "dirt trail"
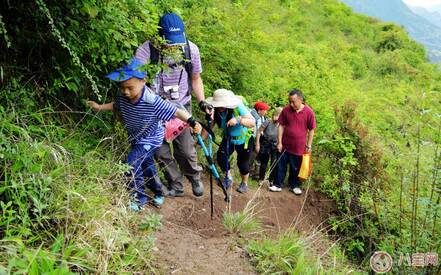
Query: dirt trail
(190, 242)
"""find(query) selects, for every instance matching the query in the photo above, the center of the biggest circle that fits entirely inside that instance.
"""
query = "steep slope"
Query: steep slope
(396, 11)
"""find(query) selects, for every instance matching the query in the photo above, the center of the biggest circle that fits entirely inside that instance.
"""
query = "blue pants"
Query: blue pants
(143, 169)
(294, 162)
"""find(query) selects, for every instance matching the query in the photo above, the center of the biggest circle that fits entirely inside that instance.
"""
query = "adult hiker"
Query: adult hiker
(175, 83)
(142, 113)
(259, 113)
(236, 121)
(295, 134)
(266, 146)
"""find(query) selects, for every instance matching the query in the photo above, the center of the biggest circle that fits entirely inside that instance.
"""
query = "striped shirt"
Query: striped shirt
(171, 77)
(143, 119)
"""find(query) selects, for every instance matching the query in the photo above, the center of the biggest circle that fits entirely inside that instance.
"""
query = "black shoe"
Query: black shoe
(198, 188)
(174, 193)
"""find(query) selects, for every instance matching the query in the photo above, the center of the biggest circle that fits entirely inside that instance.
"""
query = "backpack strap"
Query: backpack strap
(188, 66)
(154, 54)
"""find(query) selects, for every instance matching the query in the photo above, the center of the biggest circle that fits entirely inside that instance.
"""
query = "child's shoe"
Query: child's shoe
(158, 200)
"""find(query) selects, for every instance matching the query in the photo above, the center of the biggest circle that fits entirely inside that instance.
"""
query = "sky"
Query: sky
(422, 3)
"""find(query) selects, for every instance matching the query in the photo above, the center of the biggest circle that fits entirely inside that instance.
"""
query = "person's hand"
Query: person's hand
(95, 106)
(232, 122)
(279, 147)
(257, 148)
(308, 149)
(205, 107)
(197, 129)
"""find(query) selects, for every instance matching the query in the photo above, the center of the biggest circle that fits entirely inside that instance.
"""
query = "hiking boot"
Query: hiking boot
(158, 200)
(297, 191)
(198, 188)
(274, 188)
(243, 188)
(173, 193)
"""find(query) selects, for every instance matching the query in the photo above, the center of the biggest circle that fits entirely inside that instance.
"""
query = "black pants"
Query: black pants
(267, 152)
(243, 155)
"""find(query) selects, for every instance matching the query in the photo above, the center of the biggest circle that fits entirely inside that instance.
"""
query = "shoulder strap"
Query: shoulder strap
(154, 54)
(188, 66)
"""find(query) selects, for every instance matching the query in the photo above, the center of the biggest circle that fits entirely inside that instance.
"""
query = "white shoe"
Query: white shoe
(297, 191)
(274, 188)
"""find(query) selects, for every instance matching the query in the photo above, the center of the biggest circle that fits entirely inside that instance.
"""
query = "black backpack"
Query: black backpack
(154, 59)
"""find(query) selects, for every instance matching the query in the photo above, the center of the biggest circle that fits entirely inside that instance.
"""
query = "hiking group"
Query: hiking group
(146, 107)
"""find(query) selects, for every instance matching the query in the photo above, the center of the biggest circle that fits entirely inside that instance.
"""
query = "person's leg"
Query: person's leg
(274, 163)
(281, 169)
(243, 162)
(264, 158)
(185, 154)
(222, 158)
(171, 171)
(136, 181)
(151, 175)
(294, 168)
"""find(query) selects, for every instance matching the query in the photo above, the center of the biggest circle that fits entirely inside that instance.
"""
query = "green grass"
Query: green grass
(244, 222)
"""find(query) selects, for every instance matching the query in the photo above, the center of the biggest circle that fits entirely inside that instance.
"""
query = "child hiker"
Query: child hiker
(266, 147)
(231, 115)
(143, 114)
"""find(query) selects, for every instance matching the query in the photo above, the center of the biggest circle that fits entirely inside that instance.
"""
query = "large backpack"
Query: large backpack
(154, 59)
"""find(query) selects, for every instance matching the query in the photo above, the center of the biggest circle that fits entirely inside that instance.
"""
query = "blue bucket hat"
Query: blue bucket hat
(128, 71)
(172, 29)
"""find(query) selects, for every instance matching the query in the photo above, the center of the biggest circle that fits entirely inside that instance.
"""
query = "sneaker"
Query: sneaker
(243, 188)
(174, 193)
(158, 200)
(135, 206)
(198, 188)
(274, 188)
(297, 191)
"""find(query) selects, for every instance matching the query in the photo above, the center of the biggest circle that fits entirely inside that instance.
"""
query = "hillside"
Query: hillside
(420, 28)
(376, 151)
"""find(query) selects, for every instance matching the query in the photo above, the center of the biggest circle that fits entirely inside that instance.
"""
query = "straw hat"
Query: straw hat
(224, 98)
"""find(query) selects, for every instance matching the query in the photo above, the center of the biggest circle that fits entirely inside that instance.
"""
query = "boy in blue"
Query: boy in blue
(143, 114)
(231, 115)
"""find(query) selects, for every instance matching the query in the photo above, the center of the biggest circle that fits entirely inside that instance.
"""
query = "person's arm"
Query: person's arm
(197, 86)
(280, 130)
(100, 107)
(186, 117)
(309, 142)
(258, 135)
(246, 120)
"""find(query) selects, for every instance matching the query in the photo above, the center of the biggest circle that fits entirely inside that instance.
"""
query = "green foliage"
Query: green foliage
(243, 222)
(151, 222)
(288, 254)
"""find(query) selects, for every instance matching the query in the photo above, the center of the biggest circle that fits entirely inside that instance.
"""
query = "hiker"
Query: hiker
(175, 83)
(259, 113)
(236, 121)
(266, 146)
(295, 134)
(142, 113)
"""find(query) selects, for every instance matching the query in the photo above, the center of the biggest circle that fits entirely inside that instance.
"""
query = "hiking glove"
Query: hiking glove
(204, 106)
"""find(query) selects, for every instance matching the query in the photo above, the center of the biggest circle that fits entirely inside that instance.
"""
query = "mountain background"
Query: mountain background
(422, 25)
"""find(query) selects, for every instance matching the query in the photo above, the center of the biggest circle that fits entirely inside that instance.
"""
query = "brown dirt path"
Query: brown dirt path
(190, 242)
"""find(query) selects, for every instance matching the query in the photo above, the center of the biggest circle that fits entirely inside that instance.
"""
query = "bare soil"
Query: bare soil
(191, 242)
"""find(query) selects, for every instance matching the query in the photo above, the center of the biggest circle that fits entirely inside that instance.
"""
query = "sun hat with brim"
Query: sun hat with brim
(224, 98)
(172, 29)
(128, 71)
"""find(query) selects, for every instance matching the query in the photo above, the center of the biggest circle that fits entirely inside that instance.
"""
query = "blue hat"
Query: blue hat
(172, 29)
(128, 71)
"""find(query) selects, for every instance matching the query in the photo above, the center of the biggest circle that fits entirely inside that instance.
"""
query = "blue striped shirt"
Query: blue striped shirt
(143, 119)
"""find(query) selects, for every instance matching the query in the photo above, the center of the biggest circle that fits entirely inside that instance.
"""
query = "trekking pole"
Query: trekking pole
(210, 153)
(212, 166)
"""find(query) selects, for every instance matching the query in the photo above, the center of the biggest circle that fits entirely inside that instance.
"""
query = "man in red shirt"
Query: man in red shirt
(295, 134)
